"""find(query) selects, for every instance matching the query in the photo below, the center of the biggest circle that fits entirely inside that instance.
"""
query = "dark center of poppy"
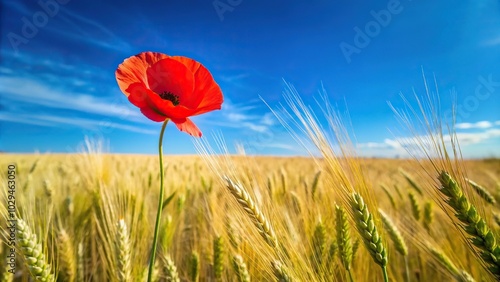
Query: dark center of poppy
(170, 97)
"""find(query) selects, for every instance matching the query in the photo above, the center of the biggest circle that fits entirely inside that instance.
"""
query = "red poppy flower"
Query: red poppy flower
(172, 87)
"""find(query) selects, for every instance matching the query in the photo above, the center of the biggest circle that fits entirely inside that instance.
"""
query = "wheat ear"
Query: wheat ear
(39, 268)
(366, 227)
(344, 241)
(170, 270)
(415, 206)
(194, 267)
(241, 269)
(397, 239)
(460, 275)
(122, 248)
(481, 235)
(67, 267)
(319, 242)
(482, 192)
(428, 216)
(394, 234)
(246, 202)
(6, 273)
(280, 272)
(218, 257)
(412, 182)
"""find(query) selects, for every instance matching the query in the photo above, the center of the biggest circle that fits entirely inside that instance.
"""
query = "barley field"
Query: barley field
(92, 216)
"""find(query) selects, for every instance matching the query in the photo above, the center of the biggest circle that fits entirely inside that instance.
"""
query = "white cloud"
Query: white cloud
(479, 124)
(401, 145)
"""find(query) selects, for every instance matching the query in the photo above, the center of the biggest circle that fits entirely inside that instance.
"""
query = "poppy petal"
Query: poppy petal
(186, 125)
(133, 69)
(153, 115)
(207, 95)
(138, 94)
(171, 76)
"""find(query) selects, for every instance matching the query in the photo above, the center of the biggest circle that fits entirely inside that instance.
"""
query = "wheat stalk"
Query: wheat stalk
(246, 202)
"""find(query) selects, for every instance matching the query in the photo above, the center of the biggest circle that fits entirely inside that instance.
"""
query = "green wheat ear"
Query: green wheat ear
(218, 257)
(481, 235)
(368, 231)
(366, 227)
(32, 251)
(344, 241)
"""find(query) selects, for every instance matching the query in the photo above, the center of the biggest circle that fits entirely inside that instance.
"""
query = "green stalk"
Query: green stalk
(160, 203)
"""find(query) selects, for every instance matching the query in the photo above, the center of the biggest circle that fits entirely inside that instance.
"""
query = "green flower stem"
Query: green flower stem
(160, 202)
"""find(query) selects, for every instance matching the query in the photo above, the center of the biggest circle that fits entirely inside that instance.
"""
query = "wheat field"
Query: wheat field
(93, 216)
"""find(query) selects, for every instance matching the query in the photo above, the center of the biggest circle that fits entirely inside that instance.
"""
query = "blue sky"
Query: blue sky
(57, 81)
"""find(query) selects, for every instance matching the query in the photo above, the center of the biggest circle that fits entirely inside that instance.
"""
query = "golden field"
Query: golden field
(93, 217)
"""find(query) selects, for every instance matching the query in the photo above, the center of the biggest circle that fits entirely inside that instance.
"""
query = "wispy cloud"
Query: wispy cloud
(71, 25)
(242, 116)
(29, 91)
(72, 122)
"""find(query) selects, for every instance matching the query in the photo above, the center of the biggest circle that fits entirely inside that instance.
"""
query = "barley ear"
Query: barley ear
(32, 251)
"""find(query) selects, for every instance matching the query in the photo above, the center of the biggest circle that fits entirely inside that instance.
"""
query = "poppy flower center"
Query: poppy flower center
(170, 97)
